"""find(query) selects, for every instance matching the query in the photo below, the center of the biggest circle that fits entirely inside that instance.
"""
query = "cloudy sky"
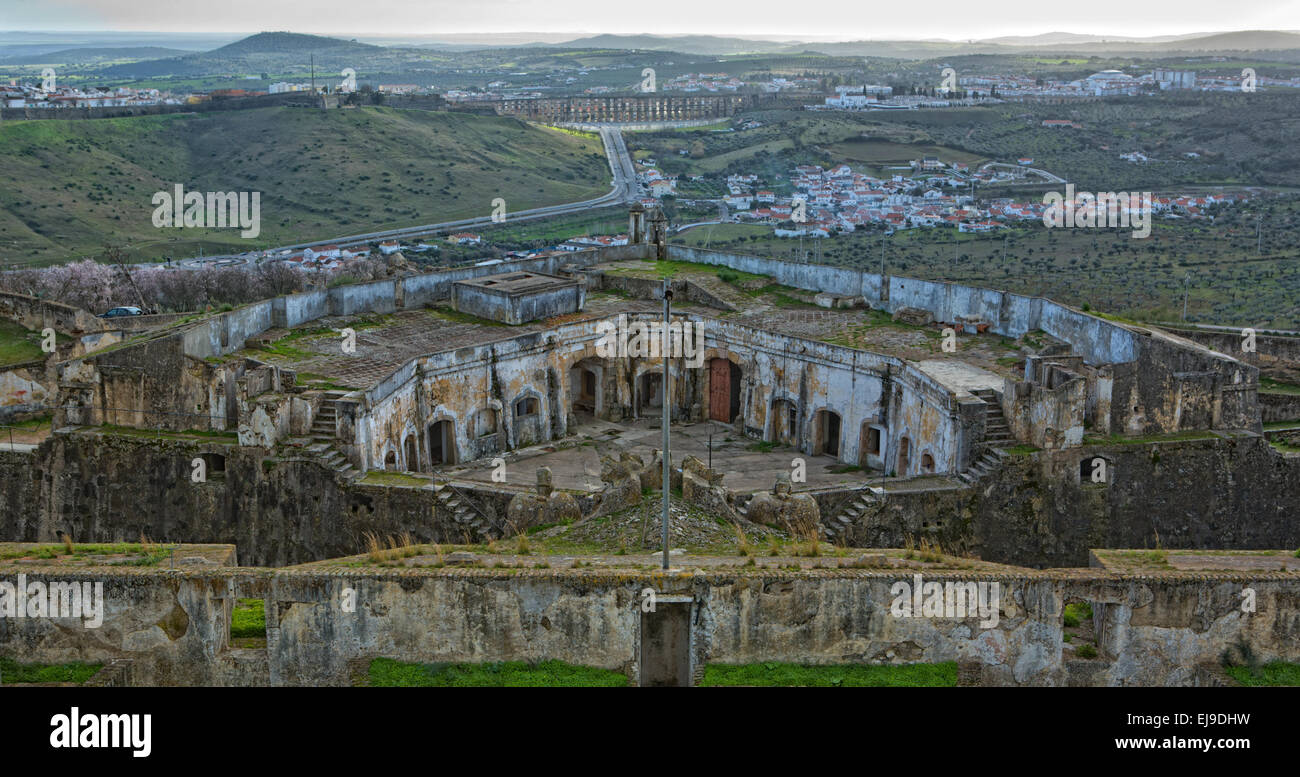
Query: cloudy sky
(837, 19)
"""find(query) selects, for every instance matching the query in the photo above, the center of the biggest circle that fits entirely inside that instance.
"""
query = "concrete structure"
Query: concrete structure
(517, 298)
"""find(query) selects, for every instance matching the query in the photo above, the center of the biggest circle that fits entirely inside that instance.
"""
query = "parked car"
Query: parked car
(122, 311)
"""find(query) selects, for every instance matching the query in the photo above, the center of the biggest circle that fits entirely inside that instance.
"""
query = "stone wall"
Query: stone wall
(1154, 630)
(1041, 510)
(36, 314)
(1279, 407)
(102, 488)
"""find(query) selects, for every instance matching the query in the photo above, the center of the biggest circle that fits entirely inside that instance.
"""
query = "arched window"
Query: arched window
(485, 422)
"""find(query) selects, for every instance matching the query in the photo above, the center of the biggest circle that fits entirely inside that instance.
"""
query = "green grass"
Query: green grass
(845, 675)
(1270, 386)
(382, 478)
(386, 672)
(1283, 673)
(248, 620)
(1119, 439)
(149, 555)
(72, 672)
(17, 344)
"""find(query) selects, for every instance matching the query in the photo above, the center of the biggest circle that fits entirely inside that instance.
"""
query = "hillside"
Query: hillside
(69, 186)
(80, 56)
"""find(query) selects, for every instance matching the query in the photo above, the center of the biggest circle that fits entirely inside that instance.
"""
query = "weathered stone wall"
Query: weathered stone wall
(102, 488)
(1041, 511)
(1154, 630)
(1279, 407)
(36, 314)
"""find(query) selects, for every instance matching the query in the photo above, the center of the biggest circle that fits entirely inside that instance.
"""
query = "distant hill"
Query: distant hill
(1054, 43)
(289, 43)
(68, 186)
(265, 51)
(90, 55)
(685, 44)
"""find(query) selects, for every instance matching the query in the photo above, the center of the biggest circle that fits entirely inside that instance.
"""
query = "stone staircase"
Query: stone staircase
(997, 432)
(840, 524)
(322, 441)
(462, 513)
(990, 460)
(997, 436)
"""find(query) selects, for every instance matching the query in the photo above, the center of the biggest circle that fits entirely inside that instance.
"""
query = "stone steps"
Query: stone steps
(461, 513)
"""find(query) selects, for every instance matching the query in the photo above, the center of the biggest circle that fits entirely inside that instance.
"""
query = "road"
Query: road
(624, 190)
(1048, 177)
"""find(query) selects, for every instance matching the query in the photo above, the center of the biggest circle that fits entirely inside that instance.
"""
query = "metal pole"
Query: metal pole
(668, 296)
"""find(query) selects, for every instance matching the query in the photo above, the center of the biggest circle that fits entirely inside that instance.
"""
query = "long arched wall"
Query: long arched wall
(811, 375)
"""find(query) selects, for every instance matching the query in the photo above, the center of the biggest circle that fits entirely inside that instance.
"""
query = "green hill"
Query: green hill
(70, 186)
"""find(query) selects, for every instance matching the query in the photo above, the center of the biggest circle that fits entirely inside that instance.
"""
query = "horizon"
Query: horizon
(944, 20)
(559, 36)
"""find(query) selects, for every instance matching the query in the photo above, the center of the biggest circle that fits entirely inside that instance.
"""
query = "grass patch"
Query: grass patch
(382, 478)
(72, 672)
(457, 317)
(17, 344)
(1022, 450)
(1276, 673)
(248, 620)
(1118, 439)
(1270, 386)
(149, 555)
(387, 673)
(773, 674)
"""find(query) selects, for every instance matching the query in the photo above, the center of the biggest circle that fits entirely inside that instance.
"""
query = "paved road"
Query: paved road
(624, 190)
(1050, 177)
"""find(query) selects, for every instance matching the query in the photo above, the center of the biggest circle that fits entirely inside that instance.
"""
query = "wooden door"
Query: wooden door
(720, 390)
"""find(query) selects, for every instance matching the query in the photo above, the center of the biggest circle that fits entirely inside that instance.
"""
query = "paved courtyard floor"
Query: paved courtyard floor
(746, 464)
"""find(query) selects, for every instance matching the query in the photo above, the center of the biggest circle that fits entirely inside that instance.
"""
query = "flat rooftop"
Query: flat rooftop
(1133, 560)
(519, 283)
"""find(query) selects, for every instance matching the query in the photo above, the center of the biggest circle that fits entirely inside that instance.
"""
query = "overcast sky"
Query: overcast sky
(838, 19)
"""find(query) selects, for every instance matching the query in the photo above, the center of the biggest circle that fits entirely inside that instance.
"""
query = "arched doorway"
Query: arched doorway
(412, 458)
(442, 442)
(785, 422)
(869, 445)
(585, 388)
(724, 390)
(827, 439)
(652, 390)
(904, 456)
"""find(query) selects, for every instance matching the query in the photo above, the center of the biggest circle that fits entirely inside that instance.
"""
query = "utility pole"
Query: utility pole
(667, 403)
(313, 73)
(1259, 234)
(1187, 284)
